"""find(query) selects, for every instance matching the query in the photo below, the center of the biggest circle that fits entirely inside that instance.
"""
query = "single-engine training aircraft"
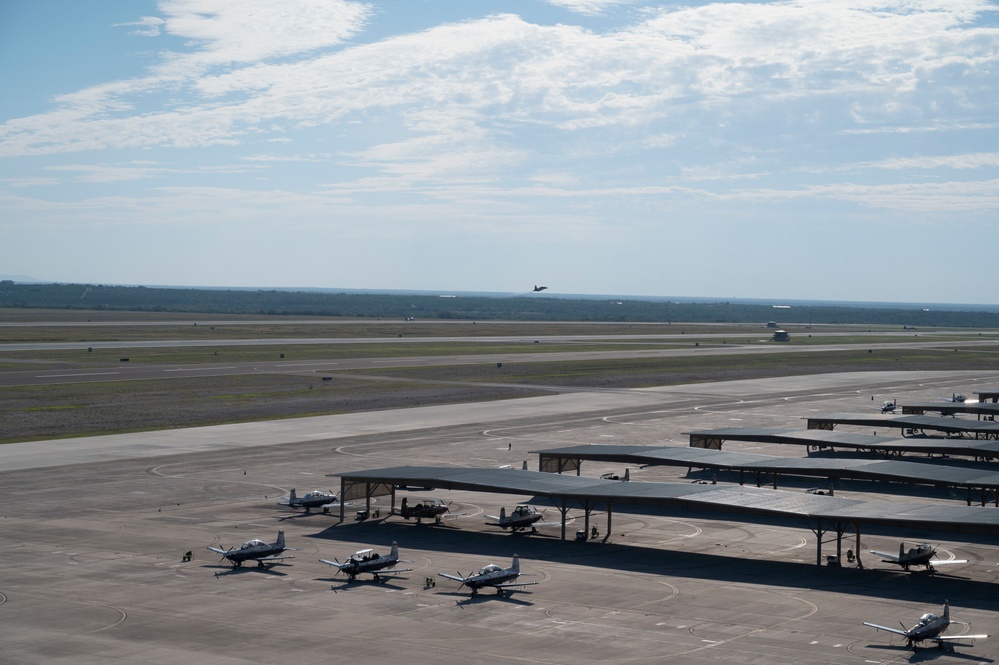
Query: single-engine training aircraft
(313, 499)
(920, 555)
(889, 406)
(539, 288)
(492, 576)
(522, 517)
(424, 509)
(929, 627)
(369, 561)
(254, 550)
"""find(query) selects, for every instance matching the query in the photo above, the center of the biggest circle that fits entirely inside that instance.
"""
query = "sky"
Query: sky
(800, 149)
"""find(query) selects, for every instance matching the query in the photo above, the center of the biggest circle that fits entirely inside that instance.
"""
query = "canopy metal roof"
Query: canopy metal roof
(987, 409)
(822, 439)
(981, 429)
(822, 512)
(973, 478)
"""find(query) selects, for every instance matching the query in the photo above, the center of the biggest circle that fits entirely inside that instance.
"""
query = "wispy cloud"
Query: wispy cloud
(147, 26)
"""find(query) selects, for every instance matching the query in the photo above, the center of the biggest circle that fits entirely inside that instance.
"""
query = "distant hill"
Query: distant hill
(266, 302)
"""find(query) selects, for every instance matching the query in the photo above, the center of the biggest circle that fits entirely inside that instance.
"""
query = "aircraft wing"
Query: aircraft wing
(390, 571)
(946, 562)
(494, 518)
(886, 556)
(508, 585)
(333, 563)
(276, 557)
(953, 638)
(454, 577)
(218, 549)
(886, 628)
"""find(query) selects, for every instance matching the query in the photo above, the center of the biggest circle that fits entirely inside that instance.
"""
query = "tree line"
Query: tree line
(273, 302)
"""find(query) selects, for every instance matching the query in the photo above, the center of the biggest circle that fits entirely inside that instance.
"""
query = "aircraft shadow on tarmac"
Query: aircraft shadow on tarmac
(345, 585)
(486, 597)
(880, 583)
(928, 654)
(226, 571)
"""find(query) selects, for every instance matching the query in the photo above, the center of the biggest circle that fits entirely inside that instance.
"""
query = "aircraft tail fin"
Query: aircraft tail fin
(502, 514)
(292, 498)
(395, 550)
(946, 612)
(515, 566)
(901, 551)
(280, 540)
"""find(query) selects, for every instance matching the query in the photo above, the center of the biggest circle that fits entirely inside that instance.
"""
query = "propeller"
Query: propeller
(225, 555)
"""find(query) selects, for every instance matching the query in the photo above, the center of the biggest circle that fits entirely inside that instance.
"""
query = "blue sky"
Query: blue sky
(804, 149)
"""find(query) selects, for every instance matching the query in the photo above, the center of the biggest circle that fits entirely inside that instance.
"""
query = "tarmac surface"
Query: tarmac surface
(93, 533)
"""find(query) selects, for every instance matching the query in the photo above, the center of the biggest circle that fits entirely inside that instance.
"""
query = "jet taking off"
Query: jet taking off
(254, 550)
(539, 288)
(369, 561)
(929, 627)
(492, 576)
(920, 555)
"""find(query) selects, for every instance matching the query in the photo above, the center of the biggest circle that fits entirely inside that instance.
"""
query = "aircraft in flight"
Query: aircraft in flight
(539, 288)
(929, 627)
(920, 555)
(493, 576)
(254, 550)
(522, 517)
(313, 499)
(369, 561)
(424, 509)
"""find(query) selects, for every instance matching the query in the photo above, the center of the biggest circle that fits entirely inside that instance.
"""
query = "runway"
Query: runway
(93, 532)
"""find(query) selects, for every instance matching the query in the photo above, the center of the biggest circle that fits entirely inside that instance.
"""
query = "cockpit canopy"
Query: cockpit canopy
(491, 568)
(929, 617)
(256, 542)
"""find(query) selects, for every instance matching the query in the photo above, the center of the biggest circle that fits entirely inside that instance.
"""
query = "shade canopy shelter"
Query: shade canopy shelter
(823, 514)
(979, 482)
(820, 439)
(910, 424)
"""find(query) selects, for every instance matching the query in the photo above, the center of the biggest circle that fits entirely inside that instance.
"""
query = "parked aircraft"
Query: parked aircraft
(254, 550)
(889, 406)
(920, 555)
(929, 627)
(522, 517)
(424, 509)
(313, 499)
(539, 288)
(492, 576)
(369, 561)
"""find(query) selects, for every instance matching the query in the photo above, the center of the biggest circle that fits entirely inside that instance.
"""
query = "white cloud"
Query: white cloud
(589, 7)
(149, 26)
(676, 64)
